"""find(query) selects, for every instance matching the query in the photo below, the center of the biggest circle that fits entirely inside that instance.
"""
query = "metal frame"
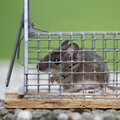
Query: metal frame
(23, 23)
(26, 37)
(35, 50)
(15, 50)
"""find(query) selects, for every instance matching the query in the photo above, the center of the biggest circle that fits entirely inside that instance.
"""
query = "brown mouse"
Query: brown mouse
(75, 67)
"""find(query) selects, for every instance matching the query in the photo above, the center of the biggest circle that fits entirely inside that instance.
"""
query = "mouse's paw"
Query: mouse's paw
(52, 79)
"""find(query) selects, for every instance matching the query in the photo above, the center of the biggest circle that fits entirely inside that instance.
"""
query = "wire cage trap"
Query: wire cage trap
(70, 65)
(65, 71)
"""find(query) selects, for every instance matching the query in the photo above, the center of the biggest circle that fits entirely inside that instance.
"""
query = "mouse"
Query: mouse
(76, 68)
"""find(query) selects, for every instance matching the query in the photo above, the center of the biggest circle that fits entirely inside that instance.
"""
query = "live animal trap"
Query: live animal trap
(70, 67)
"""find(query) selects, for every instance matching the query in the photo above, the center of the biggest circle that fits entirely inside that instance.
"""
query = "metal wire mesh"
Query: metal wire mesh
(73, 65)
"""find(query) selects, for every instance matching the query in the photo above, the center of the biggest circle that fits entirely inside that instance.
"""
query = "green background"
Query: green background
(57, 15)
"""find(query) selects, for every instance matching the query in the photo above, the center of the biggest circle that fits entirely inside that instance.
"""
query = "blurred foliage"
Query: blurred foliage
(57, 15)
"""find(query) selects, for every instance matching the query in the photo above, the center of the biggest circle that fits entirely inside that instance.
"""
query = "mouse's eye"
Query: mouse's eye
(57, 61)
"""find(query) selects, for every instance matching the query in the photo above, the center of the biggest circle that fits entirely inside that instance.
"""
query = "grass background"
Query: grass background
(57, 15)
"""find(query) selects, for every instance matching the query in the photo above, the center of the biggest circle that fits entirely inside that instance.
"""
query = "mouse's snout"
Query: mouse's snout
(42, 66)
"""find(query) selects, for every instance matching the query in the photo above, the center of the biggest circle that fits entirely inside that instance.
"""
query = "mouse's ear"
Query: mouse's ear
(73, 46)
(72, 50)
(64, 44)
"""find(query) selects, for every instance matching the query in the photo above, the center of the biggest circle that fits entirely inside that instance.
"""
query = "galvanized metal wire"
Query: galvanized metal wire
(104, 44)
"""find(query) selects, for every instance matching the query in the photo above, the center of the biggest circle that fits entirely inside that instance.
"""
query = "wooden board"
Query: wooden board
(12, 100)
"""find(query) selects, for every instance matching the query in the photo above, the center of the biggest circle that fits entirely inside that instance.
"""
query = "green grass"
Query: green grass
(54, 15)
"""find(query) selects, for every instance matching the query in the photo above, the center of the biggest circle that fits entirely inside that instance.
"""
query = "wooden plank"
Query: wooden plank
(12, 100)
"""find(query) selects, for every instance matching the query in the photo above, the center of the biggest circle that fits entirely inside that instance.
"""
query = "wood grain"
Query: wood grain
(12, 100)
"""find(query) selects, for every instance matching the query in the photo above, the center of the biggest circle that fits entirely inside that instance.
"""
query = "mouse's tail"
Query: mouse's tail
(114, 88)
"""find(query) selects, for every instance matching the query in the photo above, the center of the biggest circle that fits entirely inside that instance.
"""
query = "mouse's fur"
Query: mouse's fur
(89, 67)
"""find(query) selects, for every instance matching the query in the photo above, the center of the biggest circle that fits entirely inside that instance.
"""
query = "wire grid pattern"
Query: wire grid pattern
(38, 83)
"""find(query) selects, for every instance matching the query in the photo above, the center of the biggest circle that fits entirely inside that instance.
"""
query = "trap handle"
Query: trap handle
(15, 50)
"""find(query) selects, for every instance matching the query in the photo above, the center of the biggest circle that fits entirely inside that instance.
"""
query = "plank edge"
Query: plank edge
(12, 100)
